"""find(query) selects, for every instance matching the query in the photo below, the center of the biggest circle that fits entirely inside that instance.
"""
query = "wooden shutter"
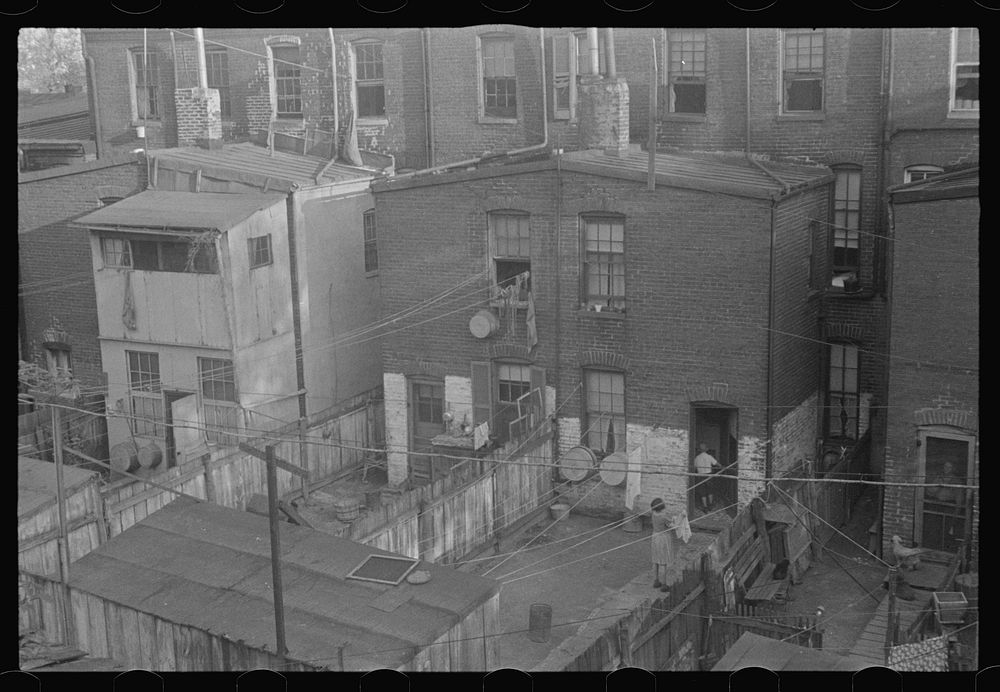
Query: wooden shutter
(538, 382)
(482, 392)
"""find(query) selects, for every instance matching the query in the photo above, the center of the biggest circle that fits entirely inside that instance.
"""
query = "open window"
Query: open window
(369, 80)
(510, 237)
(685, 92)
(802, 70)
(842, 394)
(965, 71)
(571, 61)
(604, 413)
(921, 172)
(846, 253)
(149, 253)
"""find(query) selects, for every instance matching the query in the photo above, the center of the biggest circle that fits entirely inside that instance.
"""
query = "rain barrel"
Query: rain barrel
(125, 457)
(577, 463)
(614, 467)
(149, 455)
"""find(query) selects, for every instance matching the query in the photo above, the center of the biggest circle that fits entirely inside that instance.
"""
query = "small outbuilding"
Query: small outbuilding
(189, 588)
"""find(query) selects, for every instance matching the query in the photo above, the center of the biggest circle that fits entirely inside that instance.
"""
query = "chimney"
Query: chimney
(199, 115)
(603, 110)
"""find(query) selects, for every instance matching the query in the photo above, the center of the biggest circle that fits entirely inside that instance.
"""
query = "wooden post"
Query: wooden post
(272, 513)
(623, 645)
(891, 614)
(61, 506)
(304, 458)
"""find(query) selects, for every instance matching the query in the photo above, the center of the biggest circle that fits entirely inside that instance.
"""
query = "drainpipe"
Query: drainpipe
(92, 98)
(748, 90)
(609, 41)
(336, 103)
(199, 41)
(293, 272)
(425, 44)
(769, 449)
(559, 325)
(595, 56)
(510, 152)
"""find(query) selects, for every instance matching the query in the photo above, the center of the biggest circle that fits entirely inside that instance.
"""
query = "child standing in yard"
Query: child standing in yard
(663, 543)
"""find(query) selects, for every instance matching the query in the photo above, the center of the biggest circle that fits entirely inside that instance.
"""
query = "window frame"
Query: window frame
(485, 116)
(294, 79)
(784, 72)
(587, 428)
(604, 300)
(370, 238)
(148, 390)
(58, 359)
(255, 253)
(368, 82)
(969, 475)
(846, 346)
(523, 242)
(154, 114)
(220, 413)
(569, 77)
(670, 76)
(841, 230)
(195, 267)
(928, 171)
(954, 64)
(218, 78)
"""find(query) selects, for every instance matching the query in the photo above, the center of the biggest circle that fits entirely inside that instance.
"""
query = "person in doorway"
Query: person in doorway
(705, 465)
(662, 543)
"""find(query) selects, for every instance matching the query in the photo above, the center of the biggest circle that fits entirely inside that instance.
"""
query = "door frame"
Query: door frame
(693, 447)
(170, 446)
(918, 505)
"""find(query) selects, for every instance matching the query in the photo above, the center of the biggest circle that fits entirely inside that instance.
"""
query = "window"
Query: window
(513, 382)
(914, 173)
(368, 80)
(965, 70)
(511, 250)
(803, 70)
(57, 361)
(108, 201)
(604, 430)
(189, 256)
(146, 84)
(217, 64)
(260, 251)
(499, 82)
(563, 47)
(144, 384)
(686, 71)
(287, 81)
(583, 53)
(218, 392)
(842, 393)
(604, 263)
(371, 248)
(846, 220)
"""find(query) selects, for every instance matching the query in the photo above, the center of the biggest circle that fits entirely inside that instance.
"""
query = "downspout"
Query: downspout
(769, 449)
(425, 44)
(510, 152)
(559, 325)
(92, 98)
(336, 102)
(293, 273)
(748, 89)
(199, 42)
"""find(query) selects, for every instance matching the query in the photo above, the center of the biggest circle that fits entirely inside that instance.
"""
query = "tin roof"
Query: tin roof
(36, 483)
(256, 165)
(208, 567)
(181, 210)
(35, 107)
(955, 184)
(754, 650)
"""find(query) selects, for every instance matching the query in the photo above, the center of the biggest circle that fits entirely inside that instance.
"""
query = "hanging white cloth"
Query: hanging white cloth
(635, 459)
(128, 309)
(480, 435)
(684, 528)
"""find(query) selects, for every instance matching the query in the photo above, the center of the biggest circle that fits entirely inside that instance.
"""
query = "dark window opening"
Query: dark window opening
(803, 70)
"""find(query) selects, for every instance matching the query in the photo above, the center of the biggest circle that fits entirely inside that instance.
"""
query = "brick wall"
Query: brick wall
(51, 254)
(935, 317)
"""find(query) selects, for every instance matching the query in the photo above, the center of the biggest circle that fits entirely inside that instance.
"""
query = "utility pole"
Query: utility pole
(273, 463)
(61, 503)
(891, 619)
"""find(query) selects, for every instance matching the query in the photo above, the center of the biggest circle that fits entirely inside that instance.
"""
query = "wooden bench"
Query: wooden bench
(764, 588)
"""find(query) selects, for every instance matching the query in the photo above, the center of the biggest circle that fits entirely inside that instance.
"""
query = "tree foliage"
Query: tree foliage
(48, 59)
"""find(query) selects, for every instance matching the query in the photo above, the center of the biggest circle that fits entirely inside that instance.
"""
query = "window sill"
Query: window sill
(805, 115)
(151, 124)
(494, 120)
(840, 294)
(603, 314)
(500, 303)
(963, 115)
(684, 117)
(282, 122)
(371, 274)
(372, 122)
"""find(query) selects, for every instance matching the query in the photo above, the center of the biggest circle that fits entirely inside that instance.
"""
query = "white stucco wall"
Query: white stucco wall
(396, 426)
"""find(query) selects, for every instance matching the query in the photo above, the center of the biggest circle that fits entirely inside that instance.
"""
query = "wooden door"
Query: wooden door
(188, 433)
(942, 513)
(427, 408)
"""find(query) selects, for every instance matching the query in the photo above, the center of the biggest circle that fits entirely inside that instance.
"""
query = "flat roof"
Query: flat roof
(725, 174)
(952, 185)
(36, 483)
(180, 210)
(256, 165)
(205, 566)
(753, 650)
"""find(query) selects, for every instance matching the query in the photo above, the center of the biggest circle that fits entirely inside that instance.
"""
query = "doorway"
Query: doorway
(169, 397)
(716, 426)
(427, 414)
(943, 513)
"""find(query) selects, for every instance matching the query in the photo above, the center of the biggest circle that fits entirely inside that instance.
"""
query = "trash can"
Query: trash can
(539, 622)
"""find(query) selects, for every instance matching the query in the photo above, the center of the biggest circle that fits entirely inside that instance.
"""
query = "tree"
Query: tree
(48, 59)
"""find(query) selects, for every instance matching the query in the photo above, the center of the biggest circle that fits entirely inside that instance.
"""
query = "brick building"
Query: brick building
(933, 421)
(662, 317)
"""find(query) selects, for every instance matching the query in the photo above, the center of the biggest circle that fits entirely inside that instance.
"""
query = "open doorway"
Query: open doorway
(716, 426)
(176, 437)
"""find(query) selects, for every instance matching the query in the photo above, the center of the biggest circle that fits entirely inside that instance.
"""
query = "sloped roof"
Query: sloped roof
(180, 210)
(256, 165)
(36, 483)
(208, 567)
(34, 107)
(955, 184)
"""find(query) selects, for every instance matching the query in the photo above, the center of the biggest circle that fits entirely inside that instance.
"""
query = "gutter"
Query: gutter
(425, 44)
(510, 152)
(92, 98)
(336, 103)
(769, 450)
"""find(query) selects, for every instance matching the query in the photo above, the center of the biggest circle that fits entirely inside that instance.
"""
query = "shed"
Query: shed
(753, 650)
(189, 588)
(38, 514)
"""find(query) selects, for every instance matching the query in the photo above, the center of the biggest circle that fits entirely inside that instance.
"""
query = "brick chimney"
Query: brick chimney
(199, 117)
(603, 114)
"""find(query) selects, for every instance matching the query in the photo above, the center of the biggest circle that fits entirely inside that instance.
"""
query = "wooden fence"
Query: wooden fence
(456, 515)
